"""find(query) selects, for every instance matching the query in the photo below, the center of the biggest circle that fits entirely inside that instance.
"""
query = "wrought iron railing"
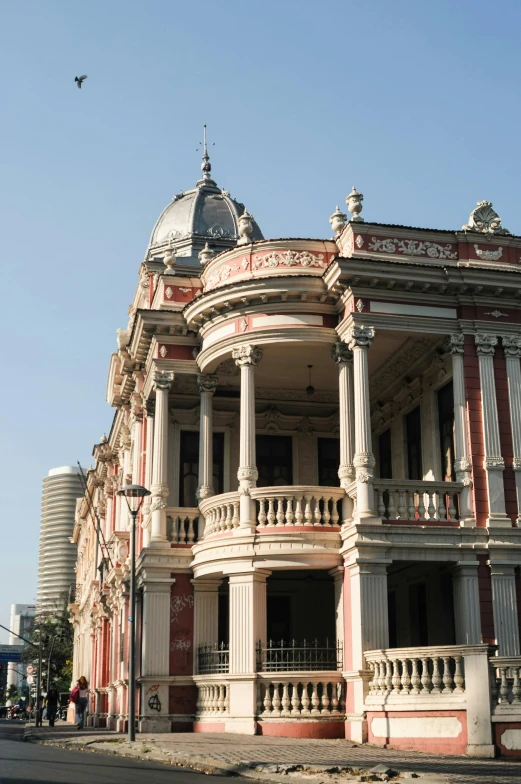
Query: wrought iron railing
(213, 658)
(293, 656)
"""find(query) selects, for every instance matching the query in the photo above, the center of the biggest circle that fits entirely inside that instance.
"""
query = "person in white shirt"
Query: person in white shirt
(82, 689)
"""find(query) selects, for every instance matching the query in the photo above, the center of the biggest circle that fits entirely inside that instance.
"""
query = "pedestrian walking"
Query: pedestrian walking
(80, 697)
(51, 701)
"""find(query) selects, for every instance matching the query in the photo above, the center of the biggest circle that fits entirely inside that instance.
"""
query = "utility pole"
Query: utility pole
(38, 717)
(49, 663)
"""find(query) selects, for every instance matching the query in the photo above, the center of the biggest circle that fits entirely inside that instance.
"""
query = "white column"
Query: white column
(162, 383)
(346, 470)
(512, 349)
(504, 607)
(369, 631)
(359, 340)
(149, 452)
(493, 463)
(247, 629)
(206, 613)
(462, 461)
(155, 662)
(247, 357)
(467, 618)
(207, 385)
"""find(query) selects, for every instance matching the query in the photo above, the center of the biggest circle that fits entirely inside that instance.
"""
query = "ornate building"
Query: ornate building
(331, 432)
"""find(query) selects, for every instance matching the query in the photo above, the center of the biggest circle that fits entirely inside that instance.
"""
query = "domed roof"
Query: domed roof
(204, 214)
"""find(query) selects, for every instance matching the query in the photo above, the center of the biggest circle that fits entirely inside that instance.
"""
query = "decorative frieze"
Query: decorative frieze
(408, 247)
(488, 255)
(290, 258)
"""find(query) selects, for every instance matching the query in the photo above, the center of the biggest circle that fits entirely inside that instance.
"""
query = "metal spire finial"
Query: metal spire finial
(206, 166)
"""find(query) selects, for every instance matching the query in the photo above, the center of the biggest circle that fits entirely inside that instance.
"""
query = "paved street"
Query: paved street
(28, 763)
(209, 750)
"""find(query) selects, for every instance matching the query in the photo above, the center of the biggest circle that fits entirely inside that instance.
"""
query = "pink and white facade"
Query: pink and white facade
(331, 432)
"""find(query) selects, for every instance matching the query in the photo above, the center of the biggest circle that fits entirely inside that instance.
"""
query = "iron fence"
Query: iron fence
(213, 658)
(293, 656)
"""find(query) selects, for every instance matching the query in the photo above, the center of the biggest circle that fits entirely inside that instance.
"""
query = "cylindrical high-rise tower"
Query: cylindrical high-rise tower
(57, 556)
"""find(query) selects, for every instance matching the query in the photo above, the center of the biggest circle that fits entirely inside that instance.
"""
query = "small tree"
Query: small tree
(56, 635)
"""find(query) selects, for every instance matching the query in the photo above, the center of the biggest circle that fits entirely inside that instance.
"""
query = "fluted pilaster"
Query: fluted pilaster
(504, 605)
(467, 616)
(162, 383)
(462, 462)
(512, 349)
(207, 385)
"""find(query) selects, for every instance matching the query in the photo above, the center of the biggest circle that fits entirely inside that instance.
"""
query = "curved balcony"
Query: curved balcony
(284, 507)
(415, 500)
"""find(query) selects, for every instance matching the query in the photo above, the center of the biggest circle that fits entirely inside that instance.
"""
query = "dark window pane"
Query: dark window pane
(384, 451)
(189, 466)
(446, 421)
(328, 461)
(274, 460)
(414, 444)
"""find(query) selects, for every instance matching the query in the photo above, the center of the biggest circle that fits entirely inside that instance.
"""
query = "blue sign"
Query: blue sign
(16, 656)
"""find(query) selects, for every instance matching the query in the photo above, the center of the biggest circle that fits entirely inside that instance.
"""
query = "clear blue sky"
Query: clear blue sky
(415, 103)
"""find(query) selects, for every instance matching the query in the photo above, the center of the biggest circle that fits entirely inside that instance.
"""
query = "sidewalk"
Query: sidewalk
(276, 759)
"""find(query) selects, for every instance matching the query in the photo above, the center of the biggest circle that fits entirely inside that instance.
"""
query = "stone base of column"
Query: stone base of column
(356, 728)
(154, 543)
(499, 521)
(484, 752)
(152, 724)
(243, 703)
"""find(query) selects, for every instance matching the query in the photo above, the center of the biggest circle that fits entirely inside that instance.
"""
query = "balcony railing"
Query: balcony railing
(310, 695)
(213, 659)
(287, 506)
(506, 682)
(293, 656)
(221, 513)
(400, 499)
(402, 672)
(182, 525)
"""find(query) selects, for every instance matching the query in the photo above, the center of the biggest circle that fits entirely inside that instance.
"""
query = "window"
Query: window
(384, 454)
(274, 460)
(328, 450)
(189, 466)
(414, 444)
(446, 423)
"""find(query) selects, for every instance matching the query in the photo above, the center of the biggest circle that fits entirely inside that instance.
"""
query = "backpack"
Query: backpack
(75, 695)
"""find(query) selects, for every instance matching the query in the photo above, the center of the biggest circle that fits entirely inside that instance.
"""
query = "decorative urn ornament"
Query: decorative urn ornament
(338, 220)
(206, 254)
(169, 262)
(354, 205)
(485, 220)
(245, 228)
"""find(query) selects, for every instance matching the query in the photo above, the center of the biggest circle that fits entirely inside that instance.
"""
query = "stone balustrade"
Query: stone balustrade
(424, 672)
(221, 513)
(182, 525)
(506, 681)
(401, 499)
(297, 505)
(213, 697)
(301, 695)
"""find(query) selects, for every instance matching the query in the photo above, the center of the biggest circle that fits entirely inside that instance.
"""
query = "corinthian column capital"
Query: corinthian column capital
(485, 344)
(207, 382)
(511, 346)
(360, 337)
(163, 379)
(341, 353)
(247, 355)
(455, 343)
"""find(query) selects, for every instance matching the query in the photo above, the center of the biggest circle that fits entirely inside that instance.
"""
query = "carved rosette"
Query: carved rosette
(160, 491)
(163, 379)
(455, 344)
(493, 463)
(247, 474)
(516, 463)
(207, 382)
(511, 346)
(462, 464)
(247, 355)
(341, 353)
(360, 336)
(485, 344)
(346, 474)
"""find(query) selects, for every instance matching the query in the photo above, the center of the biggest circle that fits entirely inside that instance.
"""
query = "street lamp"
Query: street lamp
(134, 495)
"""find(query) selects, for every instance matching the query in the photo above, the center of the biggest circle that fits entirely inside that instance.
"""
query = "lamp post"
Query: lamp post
(134, 495)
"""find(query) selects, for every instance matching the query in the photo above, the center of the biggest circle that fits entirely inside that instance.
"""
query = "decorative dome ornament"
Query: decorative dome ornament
(338, 220)
(245, 228)
(354, 205)
(169, 262)
(206, 254)
(485, 220)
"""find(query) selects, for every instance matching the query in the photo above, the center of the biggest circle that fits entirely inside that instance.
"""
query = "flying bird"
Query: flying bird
(79, 80)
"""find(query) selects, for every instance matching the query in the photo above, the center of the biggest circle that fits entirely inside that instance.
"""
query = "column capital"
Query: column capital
(359, 336)
(247, 355)
(207, 382)
(341, 353)
(485, 344)
(455, 343)
(163, 379)
(511, 346)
